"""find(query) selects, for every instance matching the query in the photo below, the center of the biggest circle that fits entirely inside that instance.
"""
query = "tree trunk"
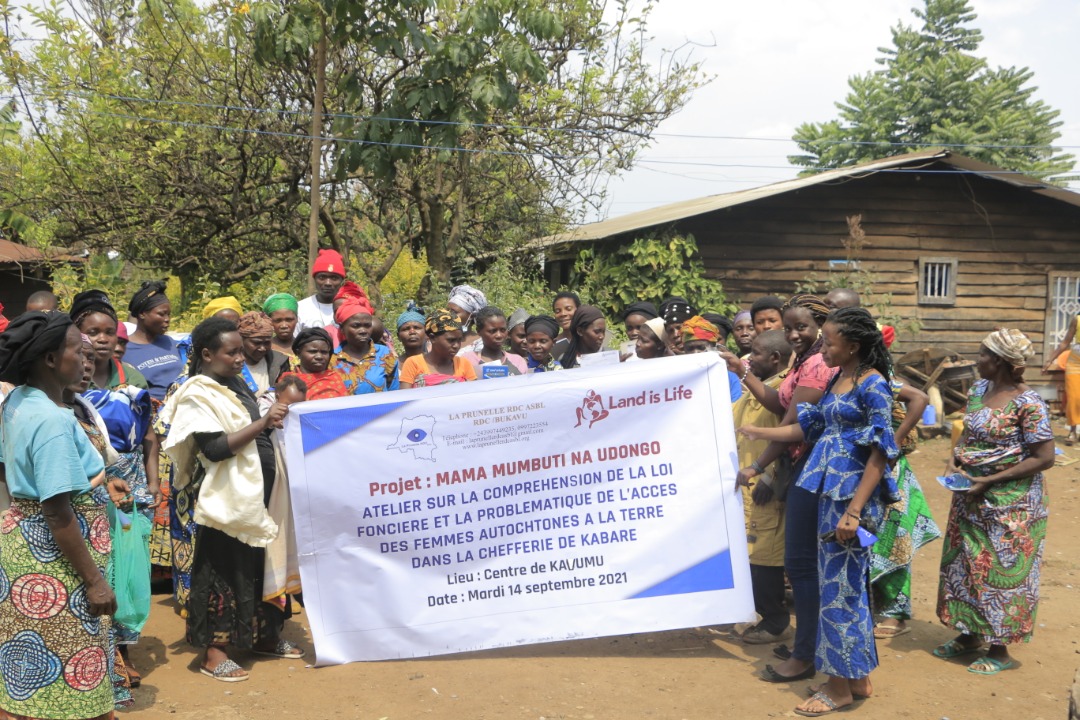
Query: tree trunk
(316, 153)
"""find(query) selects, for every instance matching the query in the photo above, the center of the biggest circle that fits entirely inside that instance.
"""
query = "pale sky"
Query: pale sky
(783, 62)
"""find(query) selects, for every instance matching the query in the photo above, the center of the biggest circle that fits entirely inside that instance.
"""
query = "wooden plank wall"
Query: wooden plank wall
(1006, 240)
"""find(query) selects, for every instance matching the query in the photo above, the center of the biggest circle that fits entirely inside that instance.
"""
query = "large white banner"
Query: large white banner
(519, 510)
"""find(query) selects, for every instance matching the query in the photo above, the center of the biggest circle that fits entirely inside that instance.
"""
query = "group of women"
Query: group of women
(854, 513)
(177, 441)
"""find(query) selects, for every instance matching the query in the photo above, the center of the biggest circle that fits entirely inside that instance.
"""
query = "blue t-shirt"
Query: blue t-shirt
(734, 385)
(44, 450)
(158, 361)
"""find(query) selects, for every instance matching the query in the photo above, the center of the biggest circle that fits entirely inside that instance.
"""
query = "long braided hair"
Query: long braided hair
(818, 310)
(856, 324)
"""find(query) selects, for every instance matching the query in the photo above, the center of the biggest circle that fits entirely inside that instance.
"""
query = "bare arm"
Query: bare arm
(765, 395)
(1065, 343)
(782, 434)
(774, 450)
(916, 401)
(65, 528)
(151, 447)
(875, 468)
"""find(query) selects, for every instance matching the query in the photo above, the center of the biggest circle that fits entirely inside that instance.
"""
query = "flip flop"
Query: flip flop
(770, 675)
(996, 666)
(283, 649)
(954, 648)
(828, 702)
(887, 632)
(812, 690)
(221, 672)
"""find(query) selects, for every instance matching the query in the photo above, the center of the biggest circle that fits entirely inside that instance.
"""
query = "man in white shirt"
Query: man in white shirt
(318, 310)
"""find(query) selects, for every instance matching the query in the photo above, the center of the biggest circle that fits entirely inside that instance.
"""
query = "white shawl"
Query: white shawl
(281, 571)
(231, 495)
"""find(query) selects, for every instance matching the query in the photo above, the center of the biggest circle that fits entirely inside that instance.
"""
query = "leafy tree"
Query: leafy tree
(470, 124)
(648, 269)
(934, 90)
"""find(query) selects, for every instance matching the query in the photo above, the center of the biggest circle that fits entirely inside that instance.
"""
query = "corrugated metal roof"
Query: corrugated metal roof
(689, 208)
(11, 252)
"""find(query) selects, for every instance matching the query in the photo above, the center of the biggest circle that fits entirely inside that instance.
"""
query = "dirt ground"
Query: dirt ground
(690, 674)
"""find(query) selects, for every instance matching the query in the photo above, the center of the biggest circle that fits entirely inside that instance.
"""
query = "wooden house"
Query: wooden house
(961, 246)
(23, 271)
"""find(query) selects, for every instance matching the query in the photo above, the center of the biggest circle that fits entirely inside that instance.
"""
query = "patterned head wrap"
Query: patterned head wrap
(1010, 345)
(467, 298)
(255, 324)
(91, 301)
(440, 321)
(676, 310)
(740, 317)
(643, 308)
(412, 314)
(812, 303)
(27, 338)
(147, 297)
(518, 317)
(698, 328)
(280, 301)
(543, 323)
(222, 303)
(352, 306)
(86, 339)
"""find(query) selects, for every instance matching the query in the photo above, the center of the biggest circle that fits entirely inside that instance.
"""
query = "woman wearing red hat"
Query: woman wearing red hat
(366, 366)
(318, 310)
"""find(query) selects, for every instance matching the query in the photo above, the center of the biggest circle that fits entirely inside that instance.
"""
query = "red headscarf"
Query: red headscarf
(352, 307)
(3, 320)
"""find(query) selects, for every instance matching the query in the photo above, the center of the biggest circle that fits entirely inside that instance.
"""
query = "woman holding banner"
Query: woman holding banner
(221, 448)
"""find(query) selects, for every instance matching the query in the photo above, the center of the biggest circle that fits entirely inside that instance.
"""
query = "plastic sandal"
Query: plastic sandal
(827, 702)
(996, 666)
(221, 672)
(954, 648)
(283, 649)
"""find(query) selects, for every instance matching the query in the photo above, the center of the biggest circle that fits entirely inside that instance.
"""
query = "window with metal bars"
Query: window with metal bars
(937, 281)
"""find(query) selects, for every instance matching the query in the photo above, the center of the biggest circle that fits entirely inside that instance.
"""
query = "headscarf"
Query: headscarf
(739, 317)
(583, 317)
(440, 321)
(518, 317)
(328, 261)
(310, 335)
(27, 338)
(351, 291)
(543, 323)
(3, 320)
(659, 329)
(255, 324)
(216, 305)
(676, 309)
(121, 331)
(147, 297)
(91, 301)
(412, 314)
(350, 307)
(642, 307)
(467, 298)
(280, 301)
(1010, 345)
(722, 323)
(698, 328)
(86, 339)
(815, 305)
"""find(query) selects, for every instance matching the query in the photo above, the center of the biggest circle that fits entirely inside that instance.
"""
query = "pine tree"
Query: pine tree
(934, 90)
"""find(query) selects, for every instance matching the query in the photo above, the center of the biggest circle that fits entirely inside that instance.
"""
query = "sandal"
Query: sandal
(769, 674)
(888, 632)
(827, 702)
(812, 690)
(224, 670)
(133, 676)
(283, 649)
(995, 666)
(954, 648)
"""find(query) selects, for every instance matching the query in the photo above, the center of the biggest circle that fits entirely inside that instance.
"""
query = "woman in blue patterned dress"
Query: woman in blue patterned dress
(852, 435)
(990, 563)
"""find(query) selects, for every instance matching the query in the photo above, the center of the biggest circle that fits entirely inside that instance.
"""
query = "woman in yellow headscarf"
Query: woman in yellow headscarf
(1071, 404)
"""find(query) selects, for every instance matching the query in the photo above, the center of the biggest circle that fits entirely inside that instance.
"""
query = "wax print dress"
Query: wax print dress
(377, 371)
(907, 527)
(993, 544)
(843, 430)
(55, 657)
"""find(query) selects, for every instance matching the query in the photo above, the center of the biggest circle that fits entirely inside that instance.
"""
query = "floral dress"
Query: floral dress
(993, 547)
(844, 429)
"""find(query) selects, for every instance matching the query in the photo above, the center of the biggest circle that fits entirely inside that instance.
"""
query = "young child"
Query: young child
(313, 347)
(769, 356)
(540, 334)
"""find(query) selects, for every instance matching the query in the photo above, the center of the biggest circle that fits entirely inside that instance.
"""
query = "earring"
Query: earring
(819, 332)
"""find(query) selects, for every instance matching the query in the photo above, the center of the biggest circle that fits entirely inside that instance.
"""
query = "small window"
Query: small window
(937, 281)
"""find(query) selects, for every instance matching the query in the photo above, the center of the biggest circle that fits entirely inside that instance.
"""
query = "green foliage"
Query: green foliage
(933, 90)
(509, 286)
(648, 269)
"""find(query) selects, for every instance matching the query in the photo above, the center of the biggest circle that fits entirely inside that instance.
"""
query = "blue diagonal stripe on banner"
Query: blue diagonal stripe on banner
(710, 574)
(319, 428)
